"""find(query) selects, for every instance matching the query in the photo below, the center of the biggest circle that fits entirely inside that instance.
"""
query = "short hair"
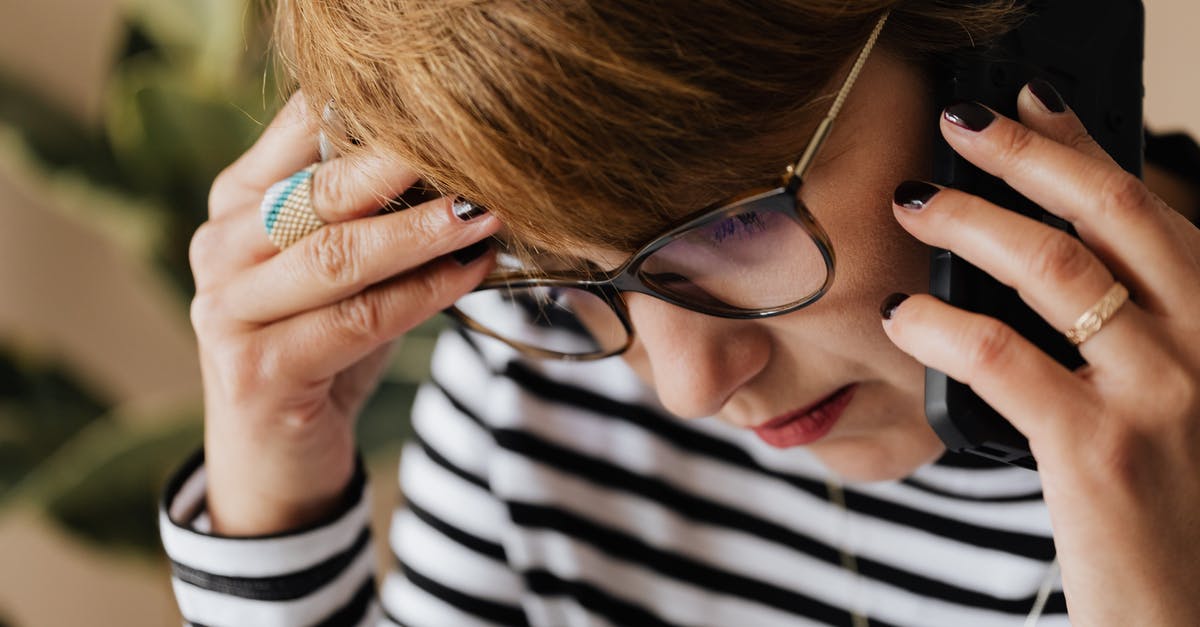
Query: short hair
(597, 121)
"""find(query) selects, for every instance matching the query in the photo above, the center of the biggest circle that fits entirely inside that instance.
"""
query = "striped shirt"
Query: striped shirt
(548, 493)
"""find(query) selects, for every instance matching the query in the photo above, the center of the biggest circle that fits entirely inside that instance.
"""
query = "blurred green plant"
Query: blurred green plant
(190, 90)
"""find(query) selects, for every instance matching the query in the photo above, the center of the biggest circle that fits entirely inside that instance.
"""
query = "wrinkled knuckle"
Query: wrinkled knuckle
(360, 316)
(424, 229)
(1124, 193)
(1060, 258)
(989, 349)
(205, 313)
(221, 189)
(204, 245)
(221, 180)
(332, 255)
(1079, 139)
(432, 286)
(328, 186)
(1016, 144)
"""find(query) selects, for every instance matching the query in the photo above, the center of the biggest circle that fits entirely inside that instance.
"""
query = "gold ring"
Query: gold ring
(1090, 322)
(287, 208)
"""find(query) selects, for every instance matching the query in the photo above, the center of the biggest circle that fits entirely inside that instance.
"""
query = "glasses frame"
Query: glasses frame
(609, 285)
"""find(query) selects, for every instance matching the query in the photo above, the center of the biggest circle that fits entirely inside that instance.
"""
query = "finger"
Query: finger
(341, 259)
(222, 248)
(1054, 273)
(358, 185)
(1040, 397)
(1042, 108)
(323, 342)
(288, 144)
(1114, 213)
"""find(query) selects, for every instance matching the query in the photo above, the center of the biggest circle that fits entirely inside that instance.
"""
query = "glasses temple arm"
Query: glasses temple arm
(796, 171)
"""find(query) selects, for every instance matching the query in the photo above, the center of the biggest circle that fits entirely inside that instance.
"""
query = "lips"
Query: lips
(807, 425)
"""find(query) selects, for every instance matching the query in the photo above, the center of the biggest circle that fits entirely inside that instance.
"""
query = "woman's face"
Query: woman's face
(748, 372)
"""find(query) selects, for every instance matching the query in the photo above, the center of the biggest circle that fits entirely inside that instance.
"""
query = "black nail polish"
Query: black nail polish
(466, 210)
(890, 304)
(464, 256)
(914, 194)
(1047, 95)
(969, 115)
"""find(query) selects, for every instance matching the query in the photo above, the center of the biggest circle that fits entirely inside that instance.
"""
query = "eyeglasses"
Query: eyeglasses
(756, 255)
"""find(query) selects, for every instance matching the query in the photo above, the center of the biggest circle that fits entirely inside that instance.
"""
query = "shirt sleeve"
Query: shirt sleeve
(447, 540)
(321, 574)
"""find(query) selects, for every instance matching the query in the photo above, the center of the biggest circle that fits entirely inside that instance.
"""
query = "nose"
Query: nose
(696, 362)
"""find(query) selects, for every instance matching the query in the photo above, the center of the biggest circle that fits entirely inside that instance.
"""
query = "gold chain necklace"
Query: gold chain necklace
(833, 489)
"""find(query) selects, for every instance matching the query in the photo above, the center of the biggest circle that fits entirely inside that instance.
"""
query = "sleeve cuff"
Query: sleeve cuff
(286, 578)
(187, 540)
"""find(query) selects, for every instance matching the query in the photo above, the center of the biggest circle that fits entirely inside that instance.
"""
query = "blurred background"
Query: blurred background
(114, 117)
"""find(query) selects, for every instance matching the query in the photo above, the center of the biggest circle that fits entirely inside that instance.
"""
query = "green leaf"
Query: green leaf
(208, 36)
(55, 137)
(42, 406)
(103, 486)
(410, 363)
(385, 420)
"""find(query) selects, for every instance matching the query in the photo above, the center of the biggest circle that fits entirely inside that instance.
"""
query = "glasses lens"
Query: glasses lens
(563, 320)
(750, 259)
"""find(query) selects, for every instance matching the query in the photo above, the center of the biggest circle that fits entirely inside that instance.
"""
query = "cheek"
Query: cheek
(875, 256)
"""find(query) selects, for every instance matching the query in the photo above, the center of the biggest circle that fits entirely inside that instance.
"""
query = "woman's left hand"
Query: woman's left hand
(1118, 440)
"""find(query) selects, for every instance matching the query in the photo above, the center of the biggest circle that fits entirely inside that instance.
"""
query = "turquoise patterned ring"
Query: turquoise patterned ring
(287, 208)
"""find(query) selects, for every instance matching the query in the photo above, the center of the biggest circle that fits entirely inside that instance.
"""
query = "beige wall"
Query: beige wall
(1172, 71)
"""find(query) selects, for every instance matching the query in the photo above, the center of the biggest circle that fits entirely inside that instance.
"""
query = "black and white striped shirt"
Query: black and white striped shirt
(562, 494)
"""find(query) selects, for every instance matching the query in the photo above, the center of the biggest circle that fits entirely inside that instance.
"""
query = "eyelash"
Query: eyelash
(745, 224)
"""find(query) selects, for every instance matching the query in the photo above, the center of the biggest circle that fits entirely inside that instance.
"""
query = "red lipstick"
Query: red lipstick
(807, 425)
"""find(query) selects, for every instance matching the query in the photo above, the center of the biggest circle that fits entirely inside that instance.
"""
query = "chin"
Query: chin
(879, 457)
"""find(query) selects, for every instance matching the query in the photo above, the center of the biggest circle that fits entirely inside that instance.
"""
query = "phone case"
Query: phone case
(1091, 51)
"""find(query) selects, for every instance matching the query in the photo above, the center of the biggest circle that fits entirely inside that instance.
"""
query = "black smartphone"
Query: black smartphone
(1091, 51)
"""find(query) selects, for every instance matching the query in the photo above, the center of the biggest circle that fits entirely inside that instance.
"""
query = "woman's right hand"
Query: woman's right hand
(293, 342)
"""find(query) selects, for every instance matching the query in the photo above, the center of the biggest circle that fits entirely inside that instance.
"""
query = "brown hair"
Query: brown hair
(597, 121)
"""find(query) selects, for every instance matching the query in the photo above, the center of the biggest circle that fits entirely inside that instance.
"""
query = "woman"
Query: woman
(552, 493)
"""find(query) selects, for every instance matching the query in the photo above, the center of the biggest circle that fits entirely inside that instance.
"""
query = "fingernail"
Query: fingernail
(890, 304)
(464, 256)
(914, 195)
(1047, 95)
(466, 210)
(969, 115)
